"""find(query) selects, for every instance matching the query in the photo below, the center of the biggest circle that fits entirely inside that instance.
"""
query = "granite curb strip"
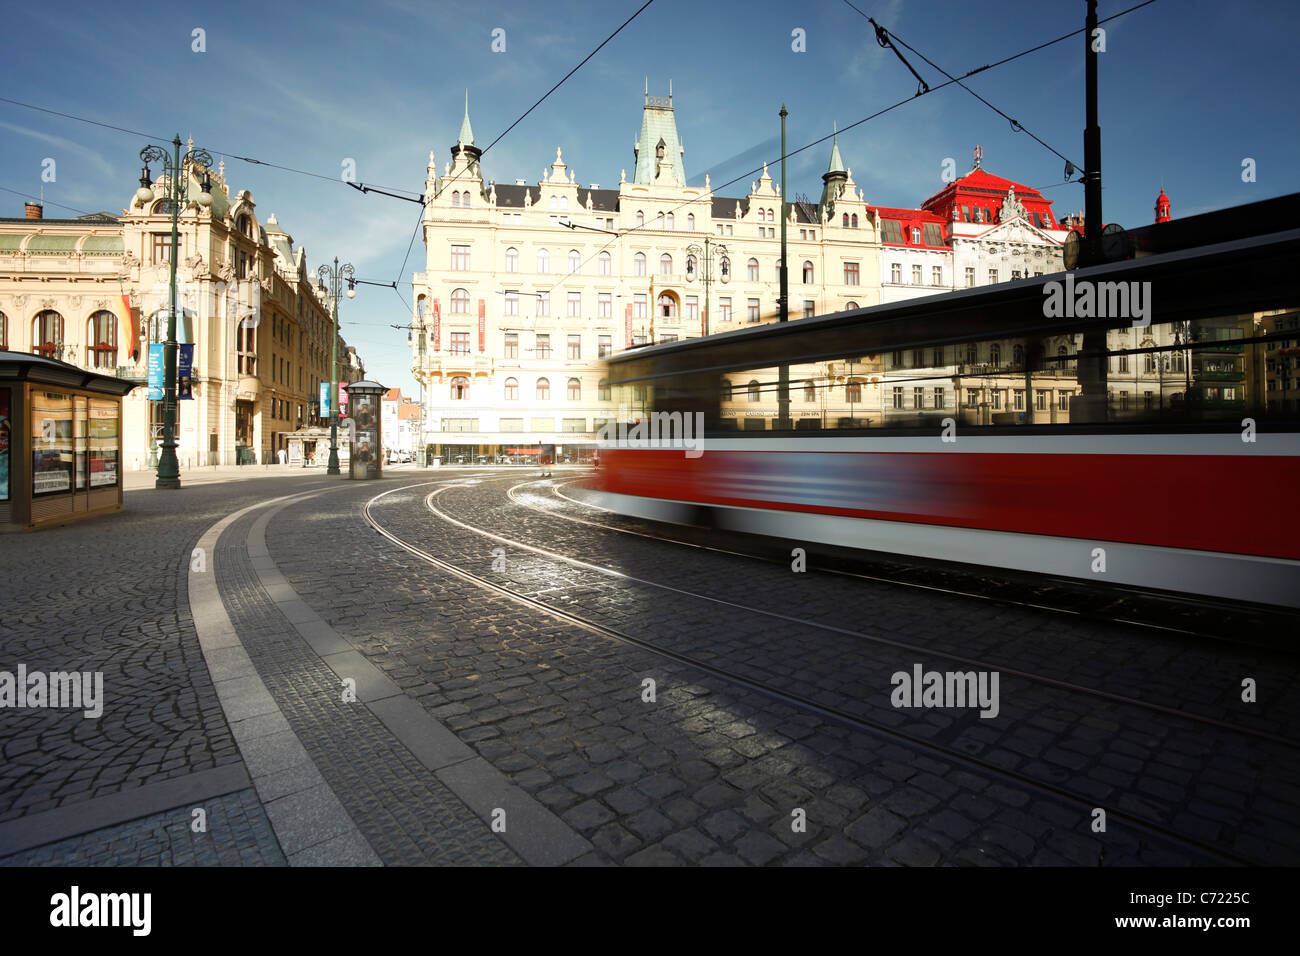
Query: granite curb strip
(309, 821)
(532, 831)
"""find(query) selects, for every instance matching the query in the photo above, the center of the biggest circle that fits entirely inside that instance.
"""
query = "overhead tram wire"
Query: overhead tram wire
(521, 118)
(876, 115)
(45, 202)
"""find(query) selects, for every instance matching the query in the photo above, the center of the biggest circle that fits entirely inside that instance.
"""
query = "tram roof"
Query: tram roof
(1247, 268)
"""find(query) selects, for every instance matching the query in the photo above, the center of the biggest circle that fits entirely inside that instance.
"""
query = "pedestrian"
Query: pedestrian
(282, 456)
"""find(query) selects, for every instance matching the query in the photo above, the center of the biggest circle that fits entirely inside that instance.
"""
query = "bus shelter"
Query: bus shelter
(60, 442)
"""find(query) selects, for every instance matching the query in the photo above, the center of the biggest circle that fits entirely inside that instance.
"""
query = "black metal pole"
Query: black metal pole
(1093, 357)
(783, 371)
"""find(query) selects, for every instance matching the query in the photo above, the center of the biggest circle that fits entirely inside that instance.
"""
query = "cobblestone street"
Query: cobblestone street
(517, 684)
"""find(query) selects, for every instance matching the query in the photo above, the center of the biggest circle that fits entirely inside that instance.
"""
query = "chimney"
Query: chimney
(34, 210)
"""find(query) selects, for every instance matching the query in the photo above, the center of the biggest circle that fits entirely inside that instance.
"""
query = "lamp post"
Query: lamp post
(705, 255)
(335, 277)
(177, 171)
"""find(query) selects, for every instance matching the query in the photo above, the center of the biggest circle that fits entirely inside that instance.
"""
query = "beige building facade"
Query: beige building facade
(259, 324)
(527, 286)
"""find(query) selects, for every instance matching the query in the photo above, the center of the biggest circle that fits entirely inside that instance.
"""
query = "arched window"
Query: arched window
(603, 391)
(464, 198)
(555, 202)
(164, 207)
(995, 354)
(543, 390)
(667, 306)
(850, 305)
(512, 259)
(727, 391)
(455, 197)
(846, 220)
(1148, 362)
(419, 307)
(638, 264)
(246, 226)
(564, 202)
(1018, 356)
(690, 265)
(575, 261)
(603, 263)
(972, 353)
(659, 220)
(460, 302)
(690, 221)
(855, 220)
(755, 393)
(670, 222)
(101, 339)
(575, 390)
(543, 261)
(853, 391)
(753, 270)
(640, 218)
(459, 388)
(725, 268)
(665, 265)
(809, 392)
(777, 274)
(512, 389)
(47, 333)
(807, 272)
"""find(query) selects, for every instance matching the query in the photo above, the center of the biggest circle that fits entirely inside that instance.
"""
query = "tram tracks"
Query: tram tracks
(800, 701)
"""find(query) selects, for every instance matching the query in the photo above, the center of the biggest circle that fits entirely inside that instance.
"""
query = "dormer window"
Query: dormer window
(916, 236)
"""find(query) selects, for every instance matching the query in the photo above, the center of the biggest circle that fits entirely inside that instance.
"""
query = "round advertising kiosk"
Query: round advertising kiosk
(367, 429)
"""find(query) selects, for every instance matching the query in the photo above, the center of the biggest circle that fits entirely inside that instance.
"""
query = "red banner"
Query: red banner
(482, 326)
(629, 325)
(437, 325)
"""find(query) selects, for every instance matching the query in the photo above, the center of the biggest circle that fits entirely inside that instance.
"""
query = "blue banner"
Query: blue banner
(185, 372)
(155, 372)
(325, 400)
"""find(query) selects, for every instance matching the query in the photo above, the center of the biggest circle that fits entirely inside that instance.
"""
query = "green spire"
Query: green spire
(837, 164)
(466, 137)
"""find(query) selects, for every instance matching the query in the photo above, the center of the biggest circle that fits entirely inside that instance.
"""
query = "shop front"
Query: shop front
(60, 442)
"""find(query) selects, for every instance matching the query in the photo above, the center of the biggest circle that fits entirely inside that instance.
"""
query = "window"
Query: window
(936, 357)
(846, 220)
(670, 222)
(724, 308)
(574, 390)
(970, 277)
(1123, 364)
(972, 354)
(603, 390)
(916, 275)
(918, 358)
(854, 220)
(665, 265)
(638, 306)
(575, 262)
(543, 304)
(809, 392)
(850, 304)
(1040, 400)
(605, 305)
(512, 345)
(455, 197)
(891, 230)
(543, 350)
(101, 334)
(459, 302)
(512, 424)
(753, 270)
(807, 272)
(512, 260)
(939, 398)
(464, 198)
(459, 388)
(460, 258)
(543, 390)
(575, 347)
(898, 397)
(936, 275)
(419, 311)
(754, 392)
(638, 264)
(543, 261)
(1063, 401)
(753, 310)
(4, 332)
(512, 303)
(459, 343)
(851, 273)
(972, 397)
(995, 354)
(603, 263)
(667, 306)
(659, 221)
(47, 333)
(853, 392)
(729, 232)
(640, 219)
(162, 247)
(575, 305)
(1020, 399)
(604, 346)
(692, 307)
(993, 277)
(690, 222)
(246, 345)
(895, 273)
(809, 308)
(1018, 356)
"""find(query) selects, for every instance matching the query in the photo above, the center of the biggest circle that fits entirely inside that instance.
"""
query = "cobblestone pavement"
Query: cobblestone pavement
(708, 772)
(712, 773)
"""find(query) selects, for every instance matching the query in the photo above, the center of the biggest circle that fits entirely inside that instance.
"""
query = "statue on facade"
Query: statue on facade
(1011, 206)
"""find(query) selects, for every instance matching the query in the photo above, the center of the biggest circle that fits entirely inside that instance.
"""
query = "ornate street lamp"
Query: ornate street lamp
(336, 277)
(177, 170)
(705, 255)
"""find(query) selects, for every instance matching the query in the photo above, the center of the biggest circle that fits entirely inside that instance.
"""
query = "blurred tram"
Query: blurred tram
(1152, 442)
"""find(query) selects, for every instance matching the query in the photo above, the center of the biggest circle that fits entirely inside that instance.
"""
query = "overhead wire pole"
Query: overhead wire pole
(1092, 356)
(783, 370)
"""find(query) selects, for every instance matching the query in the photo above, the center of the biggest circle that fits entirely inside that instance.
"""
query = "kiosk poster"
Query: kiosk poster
(185, 372)
(4, 444)
(325, 400)
(155, 372)
(52, 453)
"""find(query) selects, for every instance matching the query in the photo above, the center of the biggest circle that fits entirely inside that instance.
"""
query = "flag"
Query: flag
(127, 329)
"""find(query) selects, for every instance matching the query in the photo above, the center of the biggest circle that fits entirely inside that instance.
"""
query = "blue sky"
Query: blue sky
(1189, 88)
